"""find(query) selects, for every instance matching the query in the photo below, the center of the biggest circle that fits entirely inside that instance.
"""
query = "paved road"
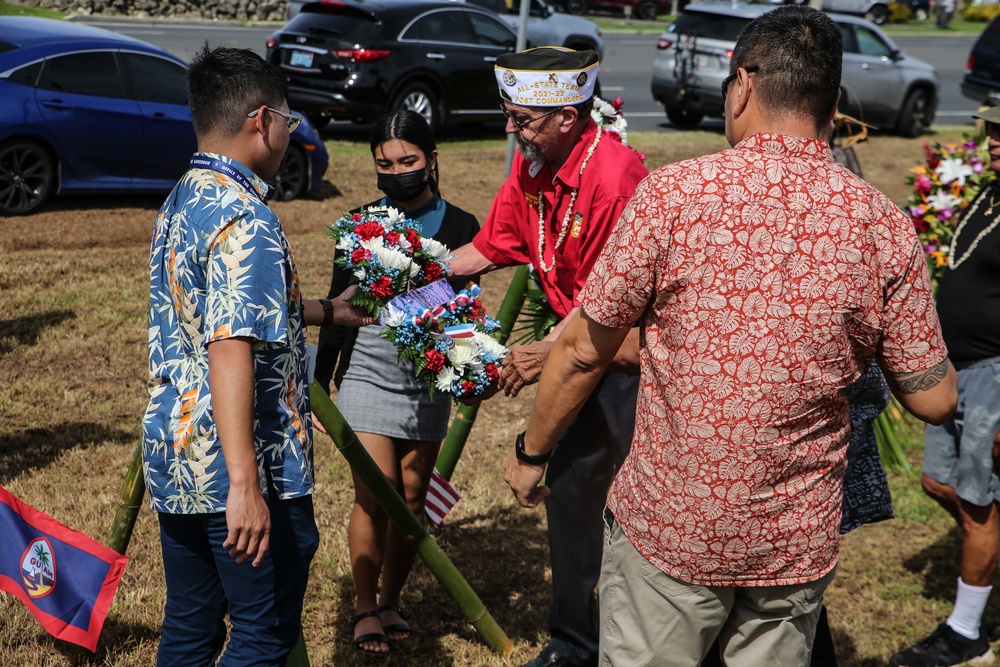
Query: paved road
(625, 71)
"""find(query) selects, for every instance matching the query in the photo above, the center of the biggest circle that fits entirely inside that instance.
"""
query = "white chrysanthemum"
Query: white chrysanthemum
(360, 273)
(445, 377)
(392, 316)
(394, 216)
(436, 249)
(490, 345)
(345, 243)
(372, 244)
(393, 259)
(601, 111)
(464, 353)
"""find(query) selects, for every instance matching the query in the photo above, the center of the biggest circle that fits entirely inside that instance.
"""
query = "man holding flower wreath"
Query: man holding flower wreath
(566, 190)
(960, 456)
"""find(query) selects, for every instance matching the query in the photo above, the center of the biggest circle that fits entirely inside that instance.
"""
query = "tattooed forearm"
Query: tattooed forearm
(911, 383)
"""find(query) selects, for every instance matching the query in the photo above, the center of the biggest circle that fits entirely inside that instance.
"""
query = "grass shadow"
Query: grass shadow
(939, 563)
(35, 448)
(24, 331)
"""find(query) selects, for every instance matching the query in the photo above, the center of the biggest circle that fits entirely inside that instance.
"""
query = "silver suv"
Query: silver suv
(545, 26)
(880, 84)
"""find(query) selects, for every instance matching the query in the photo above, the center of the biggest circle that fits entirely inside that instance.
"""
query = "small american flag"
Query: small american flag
(441, 497)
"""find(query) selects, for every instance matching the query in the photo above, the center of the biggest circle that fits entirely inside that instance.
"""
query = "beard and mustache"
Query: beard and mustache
(529, 151)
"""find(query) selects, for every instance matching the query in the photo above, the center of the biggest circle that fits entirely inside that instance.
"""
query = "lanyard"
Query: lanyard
(227, 169)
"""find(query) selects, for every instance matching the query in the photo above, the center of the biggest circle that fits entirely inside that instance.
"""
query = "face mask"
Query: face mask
(403, 187)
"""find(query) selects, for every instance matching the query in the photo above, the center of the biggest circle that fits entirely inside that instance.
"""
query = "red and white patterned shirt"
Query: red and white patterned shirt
(764, 278)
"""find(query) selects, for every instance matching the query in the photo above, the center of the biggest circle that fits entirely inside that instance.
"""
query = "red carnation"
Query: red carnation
(357, 217)
(369, 230)
(921, 225)
(414, 239)
(392, 238)
(435, 360)
(360, 255)
(432, 272)
(382, 288)
(467, 388)
(477, 309)
(492, 372)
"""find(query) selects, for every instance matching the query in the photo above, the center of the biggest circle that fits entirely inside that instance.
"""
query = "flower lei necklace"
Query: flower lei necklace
(952, 264)
(569, 212)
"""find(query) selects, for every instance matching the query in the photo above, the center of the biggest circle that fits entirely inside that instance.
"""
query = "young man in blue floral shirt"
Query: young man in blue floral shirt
(227, 441)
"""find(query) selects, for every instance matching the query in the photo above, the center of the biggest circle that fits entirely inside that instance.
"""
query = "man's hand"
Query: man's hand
(249, 523)
(523, 366)
(489, 392)
(523, 479)
(348, 315)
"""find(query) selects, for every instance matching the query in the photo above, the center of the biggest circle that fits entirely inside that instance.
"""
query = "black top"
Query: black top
(337, 342)
(968, 298)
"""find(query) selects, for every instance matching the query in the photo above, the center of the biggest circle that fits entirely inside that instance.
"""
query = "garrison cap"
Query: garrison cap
(989, 114)
(549, 76)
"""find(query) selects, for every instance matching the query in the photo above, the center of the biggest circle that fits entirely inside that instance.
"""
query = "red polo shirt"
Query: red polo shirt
(510, 234)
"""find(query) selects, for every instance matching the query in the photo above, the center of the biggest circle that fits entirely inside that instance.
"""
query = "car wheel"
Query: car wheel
(878, 14)
(913, 117)
(292, 179)
(420, 98)
(26, 177)
(684, 119)
(648, 10)
(576, 6)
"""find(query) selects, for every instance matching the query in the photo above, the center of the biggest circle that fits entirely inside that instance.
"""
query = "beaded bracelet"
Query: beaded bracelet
(327, 312)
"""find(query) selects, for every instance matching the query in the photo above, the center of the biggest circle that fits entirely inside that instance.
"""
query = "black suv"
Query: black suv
(356, 60)
(982, 76)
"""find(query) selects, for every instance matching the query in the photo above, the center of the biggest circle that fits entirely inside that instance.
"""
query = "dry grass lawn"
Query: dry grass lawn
(73, 289)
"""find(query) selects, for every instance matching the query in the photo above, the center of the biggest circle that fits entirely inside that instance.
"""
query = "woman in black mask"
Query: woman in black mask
(396, 421)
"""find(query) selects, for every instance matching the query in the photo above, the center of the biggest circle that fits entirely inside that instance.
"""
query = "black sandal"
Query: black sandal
(370, 636)
(396, 627)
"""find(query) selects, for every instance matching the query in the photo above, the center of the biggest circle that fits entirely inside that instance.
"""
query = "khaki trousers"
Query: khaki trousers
(649, 618)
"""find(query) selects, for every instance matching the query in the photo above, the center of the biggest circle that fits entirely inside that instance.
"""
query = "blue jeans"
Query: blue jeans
(204, 583)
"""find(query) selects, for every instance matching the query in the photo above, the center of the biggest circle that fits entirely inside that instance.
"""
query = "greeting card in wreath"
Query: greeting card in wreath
(386, 255)
(448, 337)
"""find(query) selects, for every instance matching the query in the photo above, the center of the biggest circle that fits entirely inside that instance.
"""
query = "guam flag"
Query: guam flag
(66, 579)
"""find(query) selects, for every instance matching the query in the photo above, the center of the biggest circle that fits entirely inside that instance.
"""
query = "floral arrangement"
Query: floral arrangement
(943, 187)
(386, 255)
(452, 343)
(609, 117)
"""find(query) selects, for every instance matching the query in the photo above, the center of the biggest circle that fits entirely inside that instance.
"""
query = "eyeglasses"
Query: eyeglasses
(291, 121)
(521, 124)
(729, 79)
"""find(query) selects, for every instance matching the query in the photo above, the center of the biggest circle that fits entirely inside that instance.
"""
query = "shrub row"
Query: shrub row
(241, 10)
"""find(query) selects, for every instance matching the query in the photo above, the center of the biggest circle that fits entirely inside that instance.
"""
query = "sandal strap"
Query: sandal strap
(391, 607)
(365, 614)
(371, 637)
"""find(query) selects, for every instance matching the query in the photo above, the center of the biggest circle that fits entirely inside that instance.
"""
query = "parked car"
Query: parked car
(546, 27)
(643, 9)
(357, 59)
(881, 85)
(88, 110)
(981, 82)
(876, 11)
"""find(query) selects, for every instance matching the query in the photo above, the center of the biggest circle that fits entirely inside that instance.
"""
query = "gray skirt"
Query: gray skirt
(380, 395)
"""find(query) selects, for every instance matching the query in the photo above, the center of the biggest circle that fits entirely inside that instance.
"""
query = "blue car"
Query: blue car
(85, 110)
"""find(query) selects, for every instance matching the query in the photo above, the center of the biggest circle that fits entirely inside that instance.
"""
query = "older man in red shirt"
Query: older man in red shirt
(765, 279)
(567, 188)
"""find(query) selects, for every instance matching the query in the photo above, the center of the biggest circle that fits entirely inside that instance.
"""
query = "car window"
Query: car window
(712, 26)
(497, 6)
(850, 41)
(94, 73)
(992, 32)
(446, 26)
(870, 44)
(490, 31)
(26, 76)
(155, 79)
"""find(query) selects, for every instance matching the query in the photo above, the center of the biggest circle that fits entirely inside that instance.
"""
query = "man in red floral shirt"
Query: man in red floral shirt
(765, 279)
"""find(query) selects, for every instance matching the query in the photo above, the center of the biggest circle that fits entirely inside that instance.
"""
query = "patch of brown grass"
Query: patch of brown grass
(73, 290)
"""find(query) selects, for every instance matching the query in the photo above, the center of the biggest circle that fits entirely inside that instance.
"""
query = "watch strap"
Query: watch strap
(523, 456)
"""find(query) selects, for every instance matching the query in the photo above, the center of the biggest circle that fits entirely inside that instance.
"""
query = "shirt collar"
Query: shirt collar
(569, 172)
(785, 146)
(259, 184)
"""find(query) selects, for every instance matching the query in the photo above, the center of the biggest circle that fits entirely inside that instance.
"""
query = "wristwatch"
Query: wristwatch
(532, 459)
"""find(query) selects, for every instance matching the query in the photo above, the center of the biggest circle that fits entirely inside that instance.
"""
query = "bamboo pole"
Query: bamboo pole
(423, 544)
(129, 502)
(465, 416)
